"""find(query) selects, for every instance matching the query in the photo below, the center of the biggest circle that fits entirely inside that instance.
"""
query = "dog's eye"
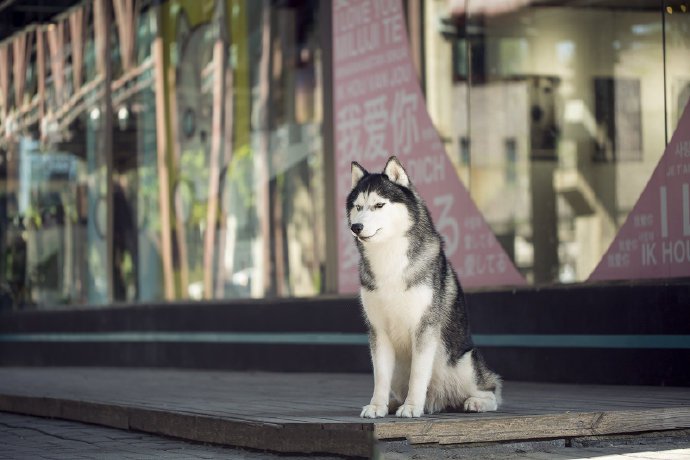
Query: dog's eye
(358, 207)
(379, 205)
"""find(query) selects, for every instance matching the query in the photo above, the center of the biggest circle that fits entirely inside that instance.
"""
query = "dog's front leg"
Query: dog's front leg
(383, 360)
(423, 352)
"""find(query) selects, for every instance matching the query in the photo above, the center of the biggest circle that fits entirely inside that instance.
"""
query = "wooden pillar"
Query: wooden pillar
(21, 50)
(125, 18)
(41, 71)
(56, 46)
(102, 24)
(164, 200)
(4, 78)
(76, 29)
(262, 155)
(214, 166)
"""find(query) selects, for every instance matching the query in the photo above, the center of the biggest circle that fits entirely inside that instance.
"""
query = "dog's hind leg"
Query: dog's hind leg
(481, 401)
(482, 387)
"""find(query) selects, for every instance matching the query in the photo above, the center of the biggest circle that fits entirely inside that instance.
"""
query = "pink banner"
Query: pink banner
(654, 241)
(380, 111)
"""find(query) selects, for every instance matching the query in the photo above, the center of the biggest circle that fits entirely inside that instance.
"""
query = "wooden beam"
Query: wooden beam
(99, 33)
(126, 19)
(41, 71)
(56, 46)
(214, 166)
(76, 28)
(264, 284)
(5, 78)
(21, 53)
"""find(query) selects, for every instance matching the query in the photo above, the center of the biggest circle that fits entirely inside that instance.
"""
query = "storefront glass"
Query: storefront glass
(247, 152)
(54, 235)
(677, 48)
(137, 261)
(198, 174)
(555, 117)
(188, 160)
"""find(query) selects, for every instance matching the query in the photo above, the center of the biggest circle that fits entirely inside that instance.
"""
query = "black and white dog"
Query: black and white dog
(421, 347)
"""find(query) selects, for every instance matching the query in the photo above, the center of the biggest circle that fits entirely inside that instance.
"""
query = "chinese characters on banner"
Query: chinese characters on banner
(654, 241)
(379, 111)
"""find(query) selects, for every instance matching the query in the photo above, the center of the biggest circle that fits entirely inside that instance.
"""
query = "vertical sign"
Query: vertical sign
(654, 241)
(379, 111)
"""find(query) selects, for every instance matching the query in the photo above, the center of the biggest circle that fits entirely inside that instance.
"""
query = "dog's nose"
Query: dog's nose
(357, 228)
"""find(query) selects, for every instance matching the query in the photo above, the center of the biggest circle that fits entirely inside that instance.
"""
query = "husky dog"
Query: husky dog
(421, 348)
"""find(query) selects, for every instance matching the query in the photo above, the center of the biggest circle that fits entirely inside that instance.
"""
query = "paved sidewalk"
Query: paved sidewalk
(318, 413)
(23, 437)
(29, 438)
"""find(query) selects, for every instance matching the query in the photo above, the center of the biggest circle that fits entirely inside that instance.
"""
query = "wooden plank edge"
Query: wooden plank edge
(78, 411)
(566, 425)
(299, 438)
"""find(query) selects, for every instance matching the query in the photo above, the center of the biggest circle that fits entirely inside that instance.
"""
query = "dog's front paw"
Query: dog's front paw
(374, 411)
(409, 410)
(473, 404)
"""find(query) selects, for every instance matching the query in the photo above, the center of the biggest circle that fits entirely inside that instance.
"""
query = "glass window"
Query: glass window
(137, 240)
(53, 205)
(248, 156)
(200, 176)
(564, 110)
(677, 42)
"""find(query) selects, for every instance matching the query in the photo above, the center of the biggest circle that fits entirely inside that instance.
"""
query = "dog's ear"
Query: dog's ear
(396, 172)
(357, 173)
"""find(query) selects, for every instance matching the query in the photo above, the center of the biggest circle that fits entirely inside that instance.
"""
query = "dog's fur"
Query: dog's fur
(421, 348)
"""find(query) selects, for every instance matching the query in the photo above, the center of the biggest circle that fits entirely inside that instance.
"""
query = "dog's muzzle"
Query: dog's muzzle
(357, 232)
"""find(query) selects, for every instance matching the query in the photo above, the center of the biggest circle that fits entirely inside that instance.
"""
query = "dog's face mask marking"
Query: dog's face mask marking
(369, 216)
(374, 215)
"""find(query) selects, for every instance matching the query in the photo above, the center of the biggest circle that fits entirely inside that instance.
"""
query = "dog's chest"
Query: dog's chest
(392, 307)
(397, 311)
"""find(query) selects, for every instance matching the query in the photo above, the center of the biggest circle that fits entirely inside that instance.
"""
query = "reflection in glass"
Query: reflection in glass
(564, 111)
(247, 150)
(216, 182)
